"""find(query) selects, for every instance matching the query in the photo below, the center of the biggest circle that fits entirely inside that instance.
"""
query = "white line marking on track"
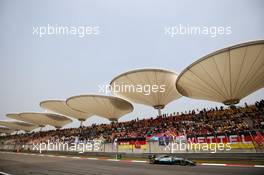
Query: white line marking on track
(259, 166)
(51, 156)
(113, 160)
(91, 158)
(62, 156)
(139, 161)
(3, 173)
(213, 164)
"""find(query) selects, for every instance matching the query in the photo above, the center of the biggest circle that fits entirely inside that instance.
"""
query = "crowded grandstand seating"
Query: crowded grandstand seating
(206, 122)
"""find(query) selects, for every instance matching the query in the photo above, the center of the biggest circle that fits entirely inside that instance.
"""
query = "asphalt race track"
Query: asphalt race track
(42, 165)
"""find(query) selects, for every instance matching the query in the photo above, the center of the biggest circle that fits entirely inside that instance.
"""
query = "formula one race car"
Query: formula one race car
(168, 159)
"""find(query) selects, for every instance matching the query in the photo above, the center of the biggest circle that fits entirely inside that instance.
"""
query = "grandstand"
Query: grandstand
(245, 122)
(225, 76)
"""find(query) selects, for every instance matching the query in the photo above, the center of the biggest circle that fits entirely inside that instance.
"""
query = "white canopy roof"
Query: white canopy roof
(61, 107)
(227, 75)
(161, 82)
(6, 130)
(41, 119)
(108, 107)
(18, 125)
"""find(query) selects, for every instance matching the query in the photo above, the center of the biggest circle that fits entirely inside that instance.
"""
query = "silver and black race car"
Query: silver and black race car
(168, 159)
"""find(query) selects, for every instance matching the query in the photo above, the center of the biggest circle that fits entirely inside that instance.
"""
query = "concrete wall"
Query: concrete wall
(151, 147)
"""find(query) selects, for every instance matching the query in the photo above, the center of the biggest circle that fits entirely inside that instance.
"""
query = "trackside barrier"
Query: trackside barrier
(148, 148)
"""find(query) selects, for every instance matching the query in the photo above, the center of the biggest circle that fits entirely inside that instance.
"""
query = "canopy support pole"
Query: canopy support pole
(159, 112)
(81, 124)
(159, 107)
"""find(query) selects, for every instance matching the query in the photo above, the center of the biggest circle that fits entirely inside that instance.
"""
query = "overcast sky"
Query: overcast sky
(33, 68)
